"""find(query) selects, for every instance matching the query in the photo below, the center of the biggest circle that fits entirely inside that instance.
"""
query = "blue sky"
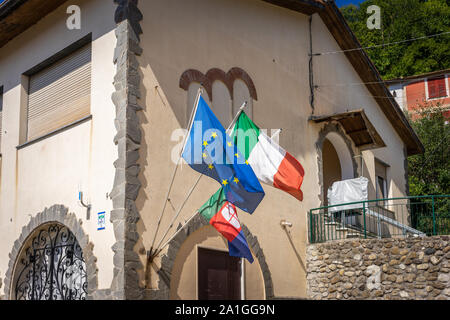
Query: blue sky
(341, 3)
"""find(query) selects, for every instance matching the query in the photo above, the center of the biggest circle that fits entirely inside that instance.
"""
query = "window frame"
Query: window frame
(385, 179)
(72, 48)
(446, 83)
(382, 188)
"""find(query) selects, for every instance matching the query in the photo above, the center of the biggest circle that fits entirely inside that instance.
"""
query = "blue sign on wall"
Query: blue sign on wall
(101, 222)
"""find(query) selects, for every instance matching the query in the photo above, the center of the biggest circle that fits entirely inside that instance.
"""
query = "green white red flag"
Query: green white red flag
(270, 162)
(222, 215)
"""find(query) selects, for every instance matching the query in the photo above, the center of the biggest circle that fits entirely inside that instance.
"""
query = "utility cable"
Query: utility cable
(381, 45)
(373, 82)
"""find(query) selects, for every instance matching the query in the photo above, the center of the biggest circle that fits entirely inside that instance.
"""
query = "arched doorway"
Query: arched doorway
(50, 266)
(337, 163)
(331, 168)
(203, 269)
(177, 275)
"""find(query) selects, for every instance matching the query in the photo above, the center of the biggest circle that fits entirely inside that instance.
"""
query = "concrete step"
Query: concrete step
(353, 235)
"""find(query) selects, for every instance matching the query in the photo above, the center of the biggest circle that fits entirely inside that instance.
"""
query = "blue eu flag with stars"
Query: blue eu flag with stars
(210, 151)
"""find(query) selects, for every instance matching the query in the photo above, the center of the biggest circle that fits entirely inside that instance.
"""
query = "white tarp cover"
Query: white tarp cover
(352, 190)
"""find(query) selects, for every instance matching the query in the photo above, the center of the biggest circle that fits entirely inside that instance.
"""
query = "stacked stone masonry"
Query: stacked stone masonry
(125, 215)
(380, 269)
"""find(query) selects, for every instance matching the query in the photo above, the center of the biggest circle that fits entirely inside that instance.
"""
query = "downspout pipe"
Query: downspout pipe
(311, 72)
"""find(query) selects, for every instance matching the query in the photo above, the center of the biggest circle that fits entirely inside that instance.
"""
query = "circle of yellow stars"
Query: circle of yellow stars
(211, 166)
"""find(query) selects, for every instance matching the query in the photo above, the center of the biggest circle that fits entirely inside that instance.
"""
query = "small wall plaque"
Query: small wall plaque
(101, 221)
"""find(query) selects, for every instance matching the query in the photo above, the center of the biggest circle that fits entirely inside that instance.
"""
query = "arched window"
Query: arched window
(191, 95)
(241, 94)
(50, 266)
(224, 92)
(221, 103)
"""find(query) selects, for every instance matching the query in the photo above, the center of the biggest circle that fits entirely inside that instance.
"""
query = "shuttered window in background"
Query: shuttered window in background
(59, 94)
(436, 88)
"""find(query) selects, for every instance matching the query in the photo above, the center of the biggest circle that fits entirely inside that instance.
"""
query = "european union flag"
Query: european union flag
(210, 151)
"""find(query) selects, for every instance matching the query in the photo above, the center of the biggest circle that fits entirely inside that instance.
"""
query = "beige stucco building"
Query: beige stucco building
(97, 112)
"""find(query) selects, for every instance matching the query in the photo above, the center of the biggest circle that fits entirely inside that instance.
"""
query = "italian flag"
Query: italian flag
(271, 163)
(222, 215)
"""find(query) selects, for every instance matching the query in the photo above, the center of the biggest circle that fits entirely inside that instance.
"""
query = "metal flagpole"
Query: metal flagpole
(241, 109)
(158, 249)
(191, 120)
(242, 279)
(179, 210)
(194, 109)
(276, 133)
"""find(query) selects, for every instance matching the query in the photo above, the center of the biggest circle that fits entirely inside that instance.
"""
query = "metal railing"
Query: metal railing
(381, 218)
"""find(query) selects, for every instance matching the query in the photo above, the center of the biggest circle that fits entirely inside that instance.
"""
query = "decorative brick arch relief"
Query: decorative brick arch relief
(57, 214)
(168, 260)
(214, 74)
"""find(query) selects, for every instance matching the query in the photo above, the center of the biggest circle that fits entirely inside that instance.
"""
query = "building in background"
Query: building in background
(429, 89)
(89, 126)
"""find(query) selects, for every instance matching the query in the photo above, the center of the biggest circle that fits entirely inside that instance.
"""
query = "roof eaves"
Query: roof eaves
(420, 76)
(9, 6)
(307, 7)
(16, 16)
(346, 39)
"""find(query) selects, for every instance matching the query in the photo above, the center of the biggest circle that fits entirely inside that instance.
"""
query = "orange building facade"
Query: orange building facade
(430, 90)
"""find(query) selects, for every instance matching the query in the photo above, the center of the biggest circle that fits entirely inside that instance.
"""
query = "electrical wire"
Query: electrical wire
(327, 98)
(412, 96)
(374, 82)
(381, 45)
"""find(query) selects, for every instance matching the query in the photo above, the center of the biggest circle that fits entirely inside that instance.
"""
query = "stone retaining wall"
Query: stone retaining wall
(381, 269)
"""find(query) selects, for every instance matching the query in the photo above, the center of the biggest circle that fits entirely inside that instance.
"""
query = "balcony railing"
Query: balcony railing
(417, 216)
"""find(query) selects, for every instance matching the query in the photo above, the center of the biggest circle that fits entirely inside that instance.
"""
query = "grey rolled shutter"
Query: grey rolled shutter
(60, 94)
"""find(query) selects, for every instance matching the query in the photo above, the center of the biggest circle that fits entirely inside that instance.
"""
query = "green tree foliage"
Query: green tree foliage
(429, 173)
(402, 20)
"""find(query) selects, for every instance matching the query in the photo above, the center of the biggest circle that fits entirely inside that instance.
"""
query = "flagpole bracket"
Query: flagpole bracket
(285, 224)
(88, 206)
(151, 255)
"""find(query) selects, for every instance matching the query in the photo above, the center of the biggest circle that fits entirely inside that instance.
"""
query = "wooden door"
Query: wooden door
(218, 275)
